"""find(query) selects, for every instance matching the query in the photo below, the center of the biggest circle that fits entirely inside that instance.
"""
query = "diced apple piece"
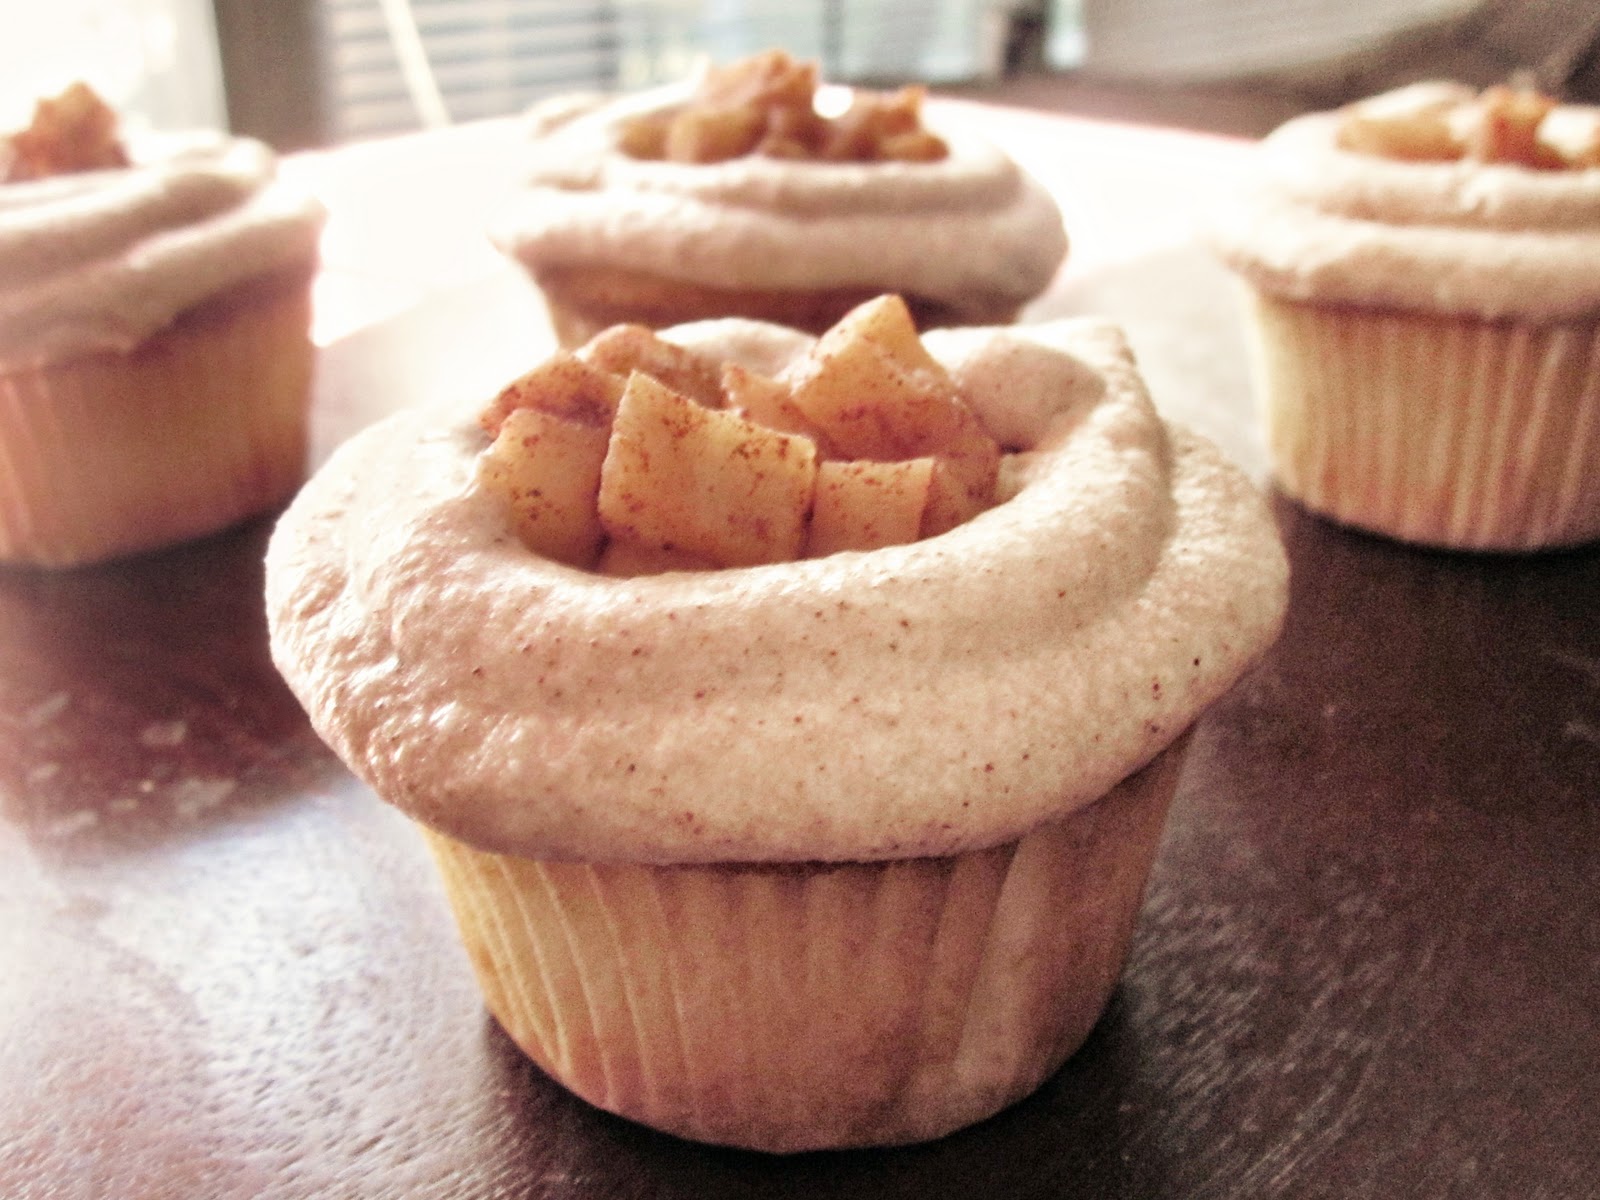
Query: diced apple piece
(864, 505)
(864, 131)
(1584, 154)
(798, 126)
(623, 349)
(1414, 137)
(963, 485)
(887, 322)
(707, 481)
(770, 79)
(712, 135)
(645, 136)
(876, 393)
(1505, 128)
(622, 558)
(547, 469)
(75, 131)
(1572, 133)
(766, 401)
(918, 145)
(1415, 123)
(562, 385)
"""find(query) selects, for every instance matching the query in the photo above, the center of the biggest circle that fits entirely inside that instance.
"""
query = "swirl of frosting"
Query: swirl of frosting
(1319, 222)
(920, 699)
(103, 259)
(971, 230)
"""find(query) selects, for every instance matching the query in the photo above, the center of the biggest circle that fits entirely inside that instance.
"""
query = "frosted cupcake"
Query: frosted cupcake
(1424, 276)
(155, 358)
(795, 764)
(733, 196)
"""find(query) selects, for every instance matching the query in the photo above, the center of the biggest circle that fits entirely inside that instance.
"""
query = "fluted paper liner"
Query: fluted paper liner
(1443, 431)
(788, 1007)
(202, 425)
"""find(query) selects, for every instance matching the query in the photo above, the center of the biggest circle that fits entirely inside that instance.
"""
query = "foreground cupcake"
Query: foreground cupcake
(1424, 270)
(734, 196)
(155, 358)
(794, 722)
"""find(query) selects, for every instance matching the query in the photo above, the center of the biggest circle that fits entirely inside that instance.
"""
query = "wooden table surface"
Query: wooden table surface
(1369, 965)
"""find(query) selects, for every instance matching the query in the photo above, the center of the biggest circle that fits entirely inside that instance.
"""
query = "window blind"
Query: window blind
(488, 57)
(495, 57)
(1188, 40)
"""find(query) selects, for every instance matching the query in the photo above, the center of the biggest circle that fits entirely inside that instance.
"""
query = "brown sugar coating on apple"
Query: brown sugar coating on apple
(1448, 123)
(75, 131)
(634, 455)
(766, 105)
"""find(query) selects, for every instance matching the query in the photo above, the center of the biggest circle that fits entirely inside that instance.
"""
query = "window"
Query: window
(153, 59)
(494, 57)
(486, 57)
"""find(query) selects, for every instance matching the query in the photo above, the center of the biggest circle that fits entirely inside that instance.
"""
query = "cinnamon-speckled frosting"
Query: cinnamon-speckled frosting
(1493, 240)
(972, 230)
(920, 699)
(101, 260)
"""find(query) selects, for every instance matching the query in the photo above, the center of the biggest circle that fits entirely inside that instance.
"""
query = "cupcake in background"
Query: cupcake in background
(155, 352)
(733, 195)
(1423, 273)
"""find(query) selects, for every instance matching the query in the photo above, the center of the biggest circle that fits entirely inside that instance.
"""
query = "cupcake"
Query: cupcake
(155, 359)
(733, 196)
(1423, 272)
(794, 764)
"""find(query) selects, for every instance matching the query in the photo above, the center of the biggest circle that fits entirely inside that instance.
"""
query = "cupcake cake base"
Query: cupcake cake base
(198, 427)
(1443, 431)
(789, 1007)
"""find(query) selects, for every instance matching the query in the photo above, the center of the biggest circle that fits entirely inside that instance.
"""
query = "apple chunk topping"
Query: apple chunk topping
(876, 394)
(682, 476)
(863, 505)
(547, 468)
(1432, 122)
(635, 455)
(766, 105)
(75, 131)
(563, 386)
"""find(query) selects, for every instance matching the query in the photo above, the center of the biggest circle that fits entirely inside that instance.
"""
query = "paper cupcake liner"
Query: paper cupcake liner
(1443, 431)
(202, 425)
(806, 1006)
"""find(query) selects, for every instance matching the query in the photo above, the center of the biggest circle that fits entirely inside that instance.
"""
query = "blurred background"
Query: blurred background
(305, 73)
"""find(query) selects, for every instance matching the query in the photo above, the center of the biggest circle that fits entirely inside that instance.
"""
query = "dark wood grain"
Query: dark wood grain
(1369, 965)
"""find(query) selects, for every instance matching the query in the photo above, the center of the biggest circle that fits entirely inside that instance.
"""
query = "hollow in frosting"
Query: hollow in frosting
(1432, 198)
(918, 699)
(637, 455)
(967, 229)
(98, 254)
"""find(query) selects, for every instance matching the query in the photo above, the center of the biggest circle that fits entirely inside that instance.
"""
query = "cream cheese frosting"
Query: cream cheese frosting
(972, 230)
(1318, 222)
(921, 699)
(101, 260)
